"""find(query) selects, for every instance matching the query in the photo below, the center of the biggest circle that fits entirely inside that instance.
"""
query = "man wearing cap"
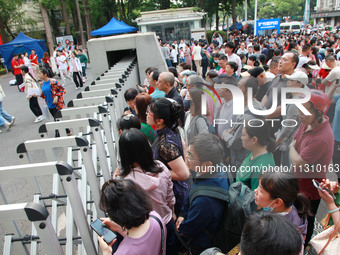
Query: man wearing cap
(260, 75)
(224, 112)
(229, 50)
(285, 135)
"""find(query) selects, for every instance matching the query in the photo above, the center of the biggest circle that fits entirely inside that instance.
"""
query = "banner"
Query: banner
(266, 24)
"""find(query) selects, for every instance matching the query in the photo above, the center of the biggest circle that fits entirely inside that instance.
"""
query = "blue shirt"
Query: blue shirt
(204, 212)
(336, 120)
(46, 90)
(157, 93)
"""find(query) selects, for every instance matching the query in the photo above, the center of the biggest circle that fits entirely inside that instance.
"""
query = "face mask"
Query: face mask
(184, 81)
(208, 83)
(216, 61)
(268, 208)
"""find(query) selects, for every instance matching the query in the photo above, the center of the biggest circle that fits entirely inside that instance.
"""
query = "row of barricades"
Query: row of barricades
(80, 161)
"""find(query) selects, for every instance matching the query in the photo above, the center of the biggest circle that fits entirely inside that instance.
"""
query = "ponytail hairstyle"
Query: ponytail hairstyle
(168, 110)
(261, 130)
(285, 185)
(25, 69)
(254, 58)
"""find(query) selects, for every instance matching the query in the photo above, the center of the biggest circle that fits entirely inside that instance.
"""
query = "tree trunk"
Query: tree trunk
(3, 32)
(234, 14)
(123, 9)
(67, 23)
(9, 30)
(202, 4)
(87, 20)
(217, 19)
(48, 29)
(82, 39)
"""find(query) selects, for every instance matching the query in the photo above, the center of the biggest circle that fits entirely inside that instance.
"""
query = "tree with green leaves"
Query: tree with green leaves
(12, 13)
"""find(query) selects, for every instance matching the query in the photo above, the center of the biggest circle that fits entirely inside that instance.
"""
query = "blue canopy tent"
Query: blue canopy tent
(20, 44)
(113, 27)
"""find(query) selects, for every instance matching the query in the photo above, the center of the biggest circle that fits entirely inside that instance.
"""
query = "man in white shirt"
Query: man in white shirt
(229, 49)
(224, 113)
(304, 57)
(62, 64)
(333, 75)
(242, 49)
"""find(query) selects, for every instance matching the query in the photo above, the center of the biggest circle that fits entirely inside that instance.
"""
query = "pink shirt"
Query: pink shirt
(159, 188)
(74, 65)
(148, 244)
(316, 148)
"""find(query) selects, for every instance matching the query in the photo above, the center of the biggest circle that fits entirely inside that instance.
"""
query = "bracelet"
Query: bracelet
(334, 210)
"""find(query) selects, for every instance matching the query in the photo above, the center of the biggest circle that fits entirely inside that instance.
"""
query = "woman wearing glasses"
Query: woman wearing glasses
(163, 114)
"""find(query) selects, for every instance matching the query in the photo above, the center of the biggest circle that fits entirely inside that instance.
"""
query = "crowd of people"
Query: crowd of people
(180, 126)
(69, 60)
(176, 132)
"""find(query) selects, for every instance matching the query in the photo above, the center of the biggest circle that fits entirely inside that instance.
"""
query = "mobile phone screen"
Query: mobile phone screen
(101, 230)
(316, 184)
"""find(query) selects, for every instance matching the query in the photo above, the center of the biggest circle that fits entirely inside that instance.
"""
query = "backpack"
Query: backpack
(239, 204)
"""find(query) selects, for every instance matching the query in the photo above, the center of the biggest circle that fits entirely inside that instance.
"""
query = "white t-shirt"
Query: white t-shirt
(333, 75)
(62, 65)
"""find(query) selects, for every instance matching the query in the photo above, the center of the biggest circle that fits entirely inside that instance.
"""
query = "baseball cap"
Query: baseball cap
(256, 71)
(311, 64)
(298, 76)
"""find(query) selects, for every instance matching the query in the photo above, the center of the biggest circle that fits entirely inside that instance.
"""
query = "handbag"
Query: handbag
(328, 241)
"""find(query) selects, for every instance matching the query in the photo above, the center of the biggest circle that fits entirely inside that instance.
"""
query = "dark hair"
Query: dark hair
(125, 202)
(130, 94)
(134, 148)
(223, 57)
(262, 59)
(142, 101)
(44, 71)
(292, 45)
(155, 75)
(262, 133)
(330, 50)
(173, 70)
(208, 147)
(233, 65)
(256, 47)
(230, 45)
(25, 69)
(277, 52)
(306, 47)
(196, 96)
(315, 51)
(285, 185)
(252, 82)
(212, 74)
(215, 55)
(274, 62)
(242, 56)
(268, 233)
(168, 110)
(128, 121)
(185, 66)
(254, 58)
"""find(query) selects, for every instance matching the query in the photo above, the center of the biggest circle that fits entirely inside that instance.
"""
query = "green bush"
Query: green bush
(209, 34)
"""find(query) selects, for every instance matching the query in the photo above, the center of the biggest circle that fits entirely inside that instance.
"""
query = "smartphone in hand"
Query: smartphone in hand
(100, 228)
(317, 185)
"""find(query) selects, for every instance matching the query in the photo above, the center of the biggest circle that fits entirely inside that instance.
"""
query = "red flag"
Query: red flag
(1, 40)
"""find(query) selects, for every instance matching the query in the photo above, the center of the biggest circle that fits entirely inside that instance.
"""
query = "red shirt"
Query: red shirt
(21, 61)
(316, 148)
(151, 90)
(35, 61)
(15, 70)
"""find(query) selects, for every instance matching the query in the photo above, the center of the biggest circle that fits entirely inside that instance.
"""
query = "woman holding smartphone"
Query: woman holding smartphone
(130, 210)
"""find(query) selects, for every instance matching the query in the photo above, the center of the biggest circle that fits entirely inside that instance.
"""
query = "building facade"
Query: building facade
(171, 24)
(327, 12)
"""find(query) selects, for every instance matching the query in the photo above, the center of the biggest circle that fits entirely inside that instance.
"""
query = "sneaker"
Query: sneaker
(8, 125)
(39, 118)
(13, 120)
